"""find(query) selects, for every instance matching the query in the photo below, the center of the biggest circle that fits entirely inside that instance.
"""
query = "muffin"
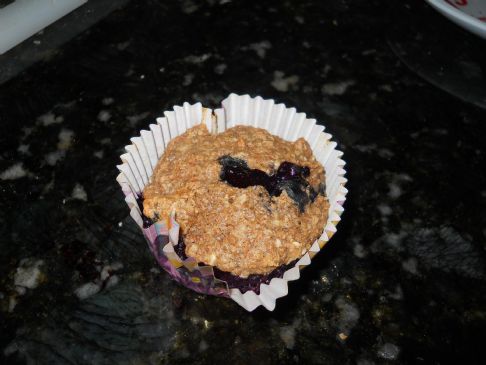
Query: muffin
(236, 201)
(246, 201)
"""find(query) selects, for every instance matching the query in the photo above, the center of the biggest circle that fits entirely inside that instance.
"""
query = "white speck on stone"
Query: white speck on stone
(203, 346)
(287, 334)
(338, 88)
(299, 19)
(99, 154)
(117, 265)
(123, 45)
(26, 131)
(359, 251)
(14, 172)
(107, 101)
(47, 119)
(189, 7)
(365, 362)
(342, 337)
(365, 147)
(23, 148)
(105, 141)
(346, 281)
(385, 153)
(441, 131)
(79, 192)
(12, 348)
(410, 265)
(188, 79)
(384, 209)
(395, 239)
(87, 290)
(388, 351)
(327, 297)
(134, 119)
(395, 191)
(28, 274)
(12, 302)
(197, 58)
(307, 89)
(282, 83)
(397, 294)
(348, 315)
(120, 224)
(260, 48)
(220, 69)
(48, 187)
(53, 157)
(105, 272)
(367, 52)
(104, 116)
(65, 139)
(403, 177)
(69, 104)
(206, 323)
(386, 88)
(112, 281)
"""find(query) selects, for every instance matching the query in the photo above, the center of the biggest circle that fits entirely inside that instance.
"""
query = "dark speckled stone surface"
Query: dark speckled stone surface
(403, 281)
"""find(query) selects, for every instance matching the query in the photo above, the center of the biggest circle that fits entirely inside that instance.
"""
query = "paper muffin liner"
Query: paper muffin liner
(141, 157)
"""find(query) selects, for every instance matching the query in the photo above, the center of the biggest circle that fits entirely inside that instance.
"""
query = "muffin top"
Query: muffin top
(246, 201)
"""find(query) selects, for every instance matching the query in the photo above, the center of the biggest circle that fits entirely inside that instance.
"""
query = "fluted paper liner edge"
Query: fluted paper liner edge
(140, 159)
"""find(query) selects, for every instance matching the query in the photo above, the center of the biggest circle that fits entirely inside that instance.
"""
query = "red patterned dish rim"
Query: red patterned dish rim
(469, 14)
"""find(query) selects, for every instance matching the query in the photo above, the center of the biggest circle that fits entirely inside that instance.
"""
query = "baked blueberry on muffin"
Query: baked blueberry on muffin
(248, 203)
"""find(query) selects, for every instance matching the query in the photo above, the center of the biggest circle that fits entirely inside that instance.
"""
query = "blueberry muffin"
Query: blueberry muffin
(248, 203)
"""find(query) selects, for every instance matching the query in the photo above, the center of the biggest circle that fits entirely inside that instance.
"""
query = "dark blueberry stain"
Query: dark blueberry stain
(252, 282)
(289, 177)
(180, 248)
(76, 254)
(147, 222)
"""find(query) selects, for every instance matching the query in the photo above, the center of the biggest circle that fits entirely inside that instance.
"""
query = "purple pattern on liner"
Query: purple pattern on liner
(195, 280)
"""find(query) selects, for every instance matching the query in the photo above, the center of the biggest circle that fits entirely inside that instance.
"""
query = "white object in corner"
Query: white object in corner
(468, 14)
(23, 18)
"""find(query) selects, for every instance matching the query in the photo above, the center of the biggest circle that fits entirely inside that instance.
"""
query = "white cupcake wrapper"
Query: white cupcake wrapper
(144, 152)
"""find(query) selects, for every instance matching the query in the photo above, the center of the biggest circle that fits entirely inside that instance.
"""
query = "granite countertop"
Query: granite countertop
(403, 280)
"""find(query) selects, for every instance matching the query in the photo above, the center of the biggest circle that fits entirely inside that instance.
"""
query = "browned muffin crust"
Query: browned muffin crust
(242, 231)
